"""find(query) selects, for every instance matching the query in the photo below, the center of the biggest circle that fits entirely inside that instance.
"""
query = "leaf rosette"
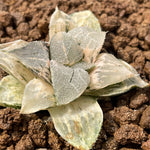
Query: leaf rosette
(65, 76)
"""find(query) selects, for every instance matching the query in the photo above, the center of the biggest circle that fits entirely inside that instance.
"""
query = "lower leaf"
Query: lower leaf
(11, 92)
(78, 122)
(38, 95)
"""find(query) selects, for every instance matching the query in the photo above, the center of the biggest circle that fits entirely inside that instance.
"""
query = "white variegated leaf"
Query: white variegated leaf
(11, 92)
(35, 56)
(108, 71)
(12, 45)
(38, 95)
(86, 18)
(64, 49)
(121, 87)
(90, 41)
(68, 83)
(78, 122)
(12, 66)
(60, 22)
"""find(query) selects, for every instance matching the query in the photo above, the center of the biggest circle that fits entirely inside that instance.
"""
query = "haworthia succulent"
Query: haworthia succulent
(11, 92)
(90, 41)
(86, 18)
(12, 66)
(68, 83)
(12, 45)
(38, 95)
(78, 122)
(64, 49)
(35, 56)
(108, 71)
(60, 22)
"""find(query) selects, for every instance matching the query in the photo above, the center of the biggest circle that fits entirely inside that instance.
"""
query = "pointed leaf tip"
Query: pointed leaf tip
(60, 22)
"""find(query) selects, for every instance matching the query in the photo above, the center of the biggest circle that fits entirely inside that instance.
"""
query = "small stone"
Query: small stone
(25, 143)
(145, 119)
(130, 134)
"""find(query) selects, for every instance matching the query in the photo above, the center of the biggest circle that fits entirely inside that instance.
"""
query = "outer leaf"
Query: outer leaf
(38, 95)
(120, 87)
(78, 122)
(108, 71)
(11, 92)
(12, 45)
(35, 56)
(90, 41)
(13, 66)
(68, 83)
(86, 18)
(64, 49)
(60, 22)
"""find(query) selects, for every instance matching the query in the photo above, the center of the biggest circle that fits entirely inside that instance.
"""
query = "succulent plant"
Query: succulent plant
(65, 76)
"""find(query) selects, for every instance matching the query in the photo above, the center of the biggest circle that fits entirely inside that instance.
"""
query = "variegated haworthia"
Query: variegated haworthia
(56, 76)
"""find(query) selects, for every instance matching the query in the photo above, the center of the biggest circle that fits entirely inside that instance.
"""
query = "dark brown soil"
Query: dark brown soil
(126, 117)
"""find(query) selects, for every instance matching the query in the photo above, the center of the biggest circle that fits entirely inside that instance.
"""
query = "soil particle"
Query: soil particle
(10, 147)
(124, 148)
(109, 23)
(2, 73)
(130, 134)
(37, 131)
(139, 98)
(9, 117)
(5, 18)
(25, 143)
(110, 144)
(5, 139)
(146, 145)
(109, 124)
(145, 119)
(124, 115)
(23, 28)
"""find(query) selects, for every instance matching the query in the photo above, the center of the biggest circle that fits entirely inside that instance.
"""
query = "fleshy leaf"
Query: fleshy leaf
(78, 122)
(38, 95)
(68, 83)
(12, 45)
(11, 92)
(60, 22)
(90, 41)
(64, 49)
(35, 56)
(121, 87)
(86, 18)
(83, 65)
(108, 71)
(12, 66)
